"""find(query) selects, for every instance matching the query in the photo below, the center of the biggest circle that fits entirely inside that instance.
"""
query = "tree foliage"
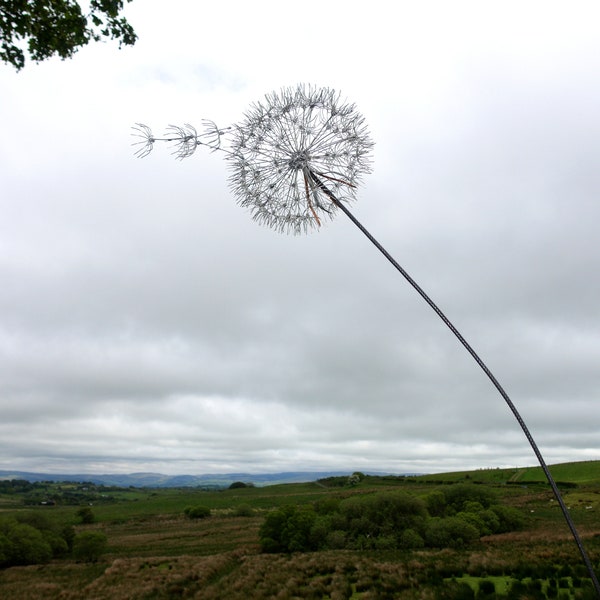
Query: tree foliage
(244, 510)
(450, 532)
(197, 512)
(28, 545)
(457, 495)
(31, 538)
(388, 521)
(88, 546)
(288, 529)
(46, 28)
(236, 485)
(86, 514)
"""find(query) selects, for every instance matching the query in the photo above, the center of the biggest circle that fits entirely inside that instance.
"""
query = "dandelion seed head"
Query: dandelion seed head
(282, 141)
(293, 158)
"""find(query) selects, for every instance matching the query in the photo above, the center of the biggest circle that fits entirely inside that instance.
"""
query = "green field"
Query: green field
(585, 473)
(154, 552)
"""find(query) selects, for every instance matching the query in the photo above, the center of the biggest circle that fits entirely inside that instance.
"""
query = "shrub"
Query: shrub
(490, 520)
(68, 534)
(5, 549)
(86, 514)
(31, 538)
(411, 540)
(355, 478)
(386, 542)
(435, 503)
(336, 540)
(236, 485)
(320, 531)
(509, 518)
(383, 514)
(58, 544)
(517, 590)
(244, 510)
(457, 495)
(475, 520)
(51, 532)
(197, 512)
(455, 591)
(89, 546)
(27, 545)
(271, 531)
(486, 587)
(288, 529)
(327, 505)
(451, 532)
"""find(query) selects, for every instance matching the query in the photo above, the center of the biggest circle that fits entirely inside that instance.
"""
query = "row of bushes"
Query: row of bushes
(453, 518)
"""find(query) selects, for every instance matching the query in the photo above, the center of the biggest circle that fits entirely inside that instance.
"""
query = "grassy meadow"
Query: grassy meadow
(155, 552)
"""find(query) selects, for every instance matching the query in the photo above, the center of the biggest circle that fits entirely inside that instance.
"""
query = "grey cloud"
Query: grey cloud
(147, 323)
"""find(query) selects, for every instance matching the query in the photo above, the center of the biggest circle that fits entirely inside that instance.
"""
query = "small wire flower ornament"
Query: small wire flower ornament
(292, 159)
(297, 158)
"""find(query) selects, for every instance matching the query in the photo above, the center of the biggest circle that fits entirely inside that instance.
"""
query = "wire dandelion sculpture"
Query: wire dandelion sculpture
(293, 159)
(296, 159)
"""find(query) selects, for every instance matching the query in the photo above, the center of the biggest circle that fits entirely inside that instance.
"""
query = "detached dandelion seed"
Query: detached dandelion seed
(298, 158)
(185, 140)
(146, 140)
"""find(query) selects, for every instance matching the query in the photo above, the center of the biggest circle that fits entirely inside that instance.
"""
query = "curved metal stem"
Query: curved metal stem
(483, 367)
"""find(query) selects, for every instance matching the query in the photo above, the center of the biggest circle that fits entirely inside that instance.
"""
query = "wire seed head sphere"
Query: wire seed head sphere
(293, 152)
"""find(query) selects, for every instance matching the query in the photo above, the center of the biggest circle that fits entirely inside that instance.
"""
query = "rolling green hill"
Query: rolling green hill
(580, 473)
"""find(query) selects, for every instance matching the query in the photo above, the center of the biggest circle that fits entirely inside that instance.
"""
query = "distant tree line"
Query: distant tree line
(63, 493)
(454, 517)
(15, 486)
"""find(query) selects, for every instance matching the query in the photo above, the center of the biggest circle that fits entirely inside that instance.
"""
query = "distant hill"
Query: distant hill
(580, 473)
(160, 480)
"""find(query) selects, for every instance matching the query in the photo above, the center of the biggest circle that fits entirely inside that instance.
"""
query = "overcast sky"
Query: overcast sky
(148, 324)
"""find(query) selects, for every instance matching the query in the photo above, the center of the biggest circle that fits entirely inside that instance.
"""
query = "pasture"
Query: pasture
(155, 552)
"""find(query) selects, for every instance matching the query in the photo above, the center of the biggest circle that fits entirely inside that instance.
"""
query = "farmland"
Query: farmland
(154, 551)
